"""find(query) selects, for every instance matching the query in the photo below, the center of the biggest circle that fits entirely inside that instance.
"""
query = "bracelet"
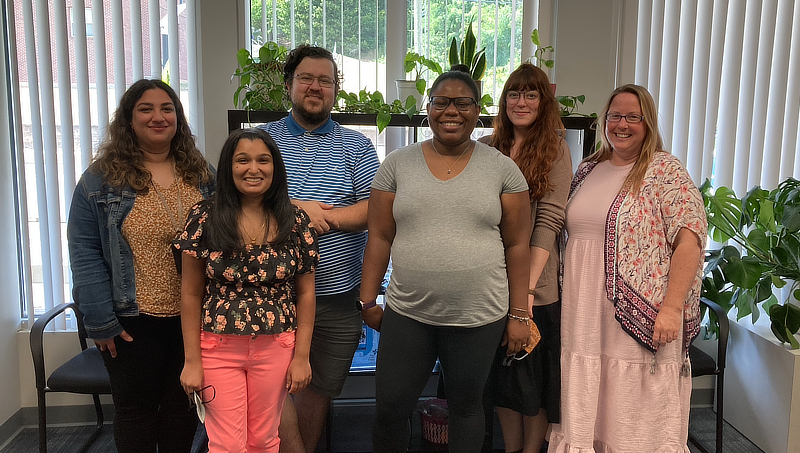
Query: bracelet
(519, 309)
(532, 292)
(524, 319)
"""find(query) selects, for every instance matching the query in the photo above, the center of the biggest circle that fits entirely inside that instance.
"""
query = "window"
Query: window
(64, 89)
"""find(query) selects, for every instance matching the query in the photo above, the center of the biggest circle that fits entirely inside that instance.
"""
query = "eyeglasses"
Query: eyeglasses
(442, 102)
(515, 96)
(196, 401)
(308, 79)
(509, 359)
(631, 119)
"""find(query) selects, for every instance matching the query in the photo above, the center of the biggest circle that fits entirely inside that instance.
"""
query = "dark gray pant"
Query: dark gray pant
(407, 352)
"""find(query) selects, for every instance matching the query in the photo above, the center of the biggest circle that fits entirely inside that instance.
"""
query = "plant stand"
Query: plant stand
(762, 387)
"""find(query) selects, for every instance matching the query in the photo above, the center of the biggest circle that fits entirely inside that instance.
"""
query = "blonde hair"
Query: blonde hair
(652, 138)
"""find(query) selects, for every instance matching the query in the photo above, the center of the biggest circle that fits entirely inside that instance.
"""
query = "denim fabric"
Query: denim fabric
(101, 260)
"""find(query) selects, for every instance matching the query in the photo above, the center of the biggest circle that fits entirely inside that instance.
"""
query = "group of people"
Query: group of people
(568, 303)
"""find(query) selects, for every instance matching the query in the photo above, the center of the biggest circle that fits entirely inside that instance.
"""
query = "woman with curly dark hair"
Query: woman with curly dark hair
(126, 210)
(525, 387)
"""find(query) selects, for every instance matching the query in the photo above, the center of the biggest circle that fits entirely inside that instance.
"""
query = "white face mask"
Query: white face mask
(201, 409)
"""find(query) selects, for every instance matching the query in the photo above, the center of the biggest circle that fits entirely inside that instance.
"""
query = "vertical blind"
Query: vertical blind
(726, 78)
(51, 71)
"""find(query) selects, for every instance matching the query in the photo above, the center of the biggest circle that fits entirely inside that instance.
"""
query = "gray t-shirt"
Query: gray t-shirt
(448, 257)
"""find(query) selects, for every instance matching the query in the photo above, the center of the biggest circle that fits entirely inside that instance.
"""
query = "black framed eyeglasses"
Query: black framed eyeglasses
(308, 79)
(197, 401)
(509, 359)
(442, 102)
(631, 119)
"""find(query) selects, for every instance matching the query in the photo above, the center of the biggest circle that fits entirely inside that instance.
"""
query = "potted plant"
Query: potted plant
(538, 54)
(374, 103)
(465, 54)
(261, 84)
(766, 225)
(417, 65)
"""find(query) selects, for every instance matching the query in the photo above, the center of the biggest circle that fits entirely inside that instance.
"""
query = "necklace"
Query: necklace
(258, 232)
(450, 167)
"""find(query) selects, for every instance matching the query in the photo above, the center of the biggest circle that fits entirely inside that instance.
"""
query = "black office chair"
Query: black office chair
(85, 373)
(704, 365)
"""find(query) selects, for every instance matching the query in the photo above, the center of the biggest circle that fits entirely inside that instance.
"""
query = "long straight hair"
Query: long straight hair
(652, 138)
(222, 226)
(541, 146)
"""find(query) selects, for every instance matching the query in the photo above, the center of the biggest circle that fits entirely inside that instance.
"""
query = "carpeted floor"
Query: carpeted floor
(67, 439)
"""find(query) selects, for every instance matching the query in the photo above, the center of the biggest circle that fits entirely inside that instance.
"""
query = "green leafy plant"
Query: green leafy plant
(538, 54)
(261, 79)
(418, 65)
(766, 225)
(466, 55)
(568, 104)
(373, 102)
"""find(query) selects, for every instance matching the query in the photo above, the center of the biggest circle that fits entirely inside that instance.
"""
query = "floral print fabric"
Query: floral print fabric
(640, 230)
(250, 291)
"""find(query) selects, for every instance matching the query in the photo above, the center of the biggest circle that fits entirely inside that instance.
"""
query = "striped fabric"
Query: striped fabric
(333, 165)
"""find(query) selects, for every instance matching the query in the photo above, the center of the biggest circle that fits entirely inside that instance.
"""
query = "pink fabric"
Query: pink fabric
(610, 402)
(249, 378)
(640, 229)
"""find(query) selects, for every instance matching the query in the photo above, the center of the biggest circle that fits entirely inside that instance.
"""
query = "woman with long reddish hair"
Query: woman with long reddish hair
(525, 387)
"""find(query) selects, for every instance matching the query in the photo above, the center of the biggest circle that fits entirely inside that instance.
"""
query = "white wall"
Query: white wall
(10, 401)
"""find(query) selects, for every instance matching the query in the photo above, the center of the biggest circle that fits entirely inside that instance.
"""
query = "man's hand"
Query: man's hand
(320, 215)
(109, 344)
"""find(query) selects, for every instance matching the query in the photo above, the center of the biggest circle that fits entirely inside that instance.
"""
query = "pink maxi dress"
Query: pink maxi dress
(610, 400)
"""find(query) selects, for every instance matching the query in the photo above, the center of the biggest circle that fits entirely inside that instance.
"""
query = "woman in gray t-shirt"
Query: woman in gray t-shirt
(455, 217)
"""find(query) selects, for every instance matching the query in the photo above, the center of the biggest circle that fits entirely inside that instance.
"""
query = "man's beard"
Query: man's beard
(310, 117)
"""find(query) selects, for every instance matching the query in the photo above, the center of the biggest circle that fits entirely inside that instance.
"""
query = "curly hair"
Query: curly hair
(120, 158)
(652, 137)
(541, 145)
(223, 219)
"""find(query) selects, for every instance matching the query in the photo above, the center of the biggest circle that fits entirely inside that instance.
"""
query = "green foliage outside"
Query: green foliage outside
(445, 19)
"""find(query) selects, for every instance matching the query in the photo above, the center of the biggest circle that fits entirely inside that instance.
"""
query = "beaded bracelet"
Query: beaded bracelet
(524, 319)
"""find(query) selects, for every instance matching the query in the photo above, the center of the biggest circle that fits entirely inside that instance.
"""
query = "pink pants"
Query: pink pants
(249, 379)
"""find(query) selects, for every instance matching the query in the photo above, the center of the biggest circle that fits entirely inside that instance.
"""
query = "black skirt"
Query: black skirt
(532, 383)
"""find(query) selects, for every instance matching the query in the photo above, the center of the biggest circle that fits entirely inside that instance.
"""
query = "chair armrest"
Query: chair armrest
(37, 340)
(724, 329)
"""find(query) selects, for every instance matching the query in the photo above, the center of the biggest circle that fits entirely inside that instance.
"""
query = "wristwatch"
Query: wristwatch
(361, 305)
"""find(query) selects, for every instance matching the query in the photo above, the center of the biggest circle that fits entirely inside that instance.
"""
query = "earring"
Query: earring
(482, 126)
(424, 122)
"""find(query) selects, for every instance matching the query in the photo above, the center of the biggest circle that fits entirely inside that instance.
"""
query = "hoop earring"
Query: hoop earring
(480, 121)
(425, 122)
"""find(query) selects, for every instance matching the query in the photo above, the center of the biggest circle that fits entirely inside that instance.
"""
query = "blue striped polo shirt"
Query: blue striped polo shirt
(334, 165)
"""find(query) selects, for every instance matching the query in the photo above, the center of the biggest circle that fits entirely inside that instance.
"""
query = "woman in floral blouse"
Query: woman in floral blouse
(632, 271)
(247, 296)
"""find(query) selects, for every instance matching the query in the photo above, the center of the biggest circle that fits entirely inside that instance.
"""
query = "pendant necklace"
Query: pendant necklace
(258, 232)
(449, 167)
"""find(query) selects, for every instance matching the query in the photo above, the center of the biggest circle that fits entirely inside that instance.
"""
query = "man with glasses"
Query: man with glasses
(330, 171)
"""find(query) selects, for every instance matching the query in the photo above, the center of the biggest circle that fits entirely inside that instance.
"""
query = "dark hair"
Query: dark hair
(222, 227)
(303, 51)
(541, 147)
(120, 158)
(458, 75)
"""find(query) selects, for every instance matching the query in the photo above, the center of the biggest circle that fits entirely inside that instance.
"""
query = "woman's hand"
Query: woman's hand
(373, 317)
(109, 344)
(299, 375)
(668, 325)
(192, 377)
(516, 335)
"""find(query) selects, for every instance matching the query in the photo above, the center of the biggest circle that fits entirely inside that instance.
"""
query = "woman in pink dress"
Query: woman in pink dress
(636, 230)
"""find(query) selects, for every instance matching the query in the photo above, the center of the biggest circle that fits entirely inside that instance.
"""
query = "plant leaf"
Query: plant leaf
(479, 68)
(743, 272)
(453, 53)
(535, 37)
(421, 84)
(469, 45)
(383, 120)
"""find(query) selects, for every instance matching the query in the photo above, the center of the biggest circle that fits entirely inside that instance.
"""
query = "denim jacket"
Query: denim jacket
(101, 259)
